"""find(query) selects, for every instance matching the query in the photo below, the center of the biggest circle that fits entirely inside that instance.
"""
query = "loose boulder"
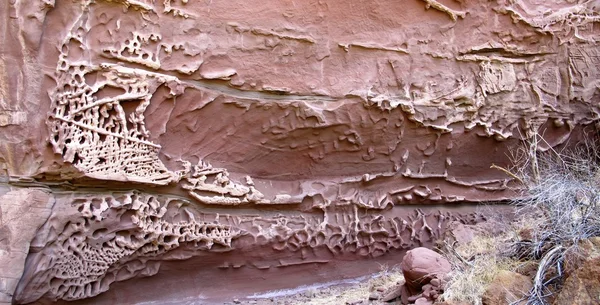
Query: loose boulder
(424, 271)
(421, 265)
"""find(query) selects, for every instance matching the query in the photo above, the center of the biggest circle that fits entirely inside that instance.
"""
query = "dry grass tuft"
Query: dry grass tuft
(347, 294)
(474, 266)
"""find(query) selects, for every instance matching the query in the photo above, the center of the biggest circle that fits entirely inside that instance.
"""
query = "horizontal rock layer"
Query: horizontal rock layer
(261, 136)
(91, 241)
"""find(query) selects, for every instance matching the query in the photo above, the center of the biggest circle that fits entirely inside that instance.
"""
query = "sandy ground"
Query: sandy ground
(349, 292)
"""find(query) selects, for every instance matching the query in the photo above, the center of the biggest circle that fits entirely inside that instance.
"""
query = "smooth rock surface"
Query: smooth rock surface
(22, 212)
(423, 271)
(421, 265)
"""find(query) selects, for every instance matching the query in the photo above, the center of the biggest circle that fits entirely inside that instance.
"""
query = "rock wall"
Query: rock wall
(220, 139)
(22, 213)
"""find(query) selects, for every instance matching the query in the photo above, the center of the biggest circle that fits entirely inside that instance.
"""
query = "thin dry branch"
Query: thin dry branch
(506, 171)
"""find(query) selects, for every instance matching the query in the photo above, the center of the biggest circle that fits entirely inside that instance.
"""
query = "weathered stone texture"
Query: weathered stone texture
(253, 136)
(582, 285)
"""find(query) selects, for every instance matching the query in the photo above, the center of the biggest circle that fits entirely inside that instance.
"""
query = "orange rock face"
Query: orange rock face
(215, 140)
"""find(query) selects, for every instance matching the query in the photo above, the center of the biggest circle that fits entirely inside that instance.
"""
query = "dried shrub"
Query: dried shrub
(559, 209)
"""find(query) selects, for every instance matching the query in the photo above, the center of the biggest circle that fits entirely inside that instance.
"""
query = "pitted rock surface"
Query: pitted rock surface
(192, 143)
